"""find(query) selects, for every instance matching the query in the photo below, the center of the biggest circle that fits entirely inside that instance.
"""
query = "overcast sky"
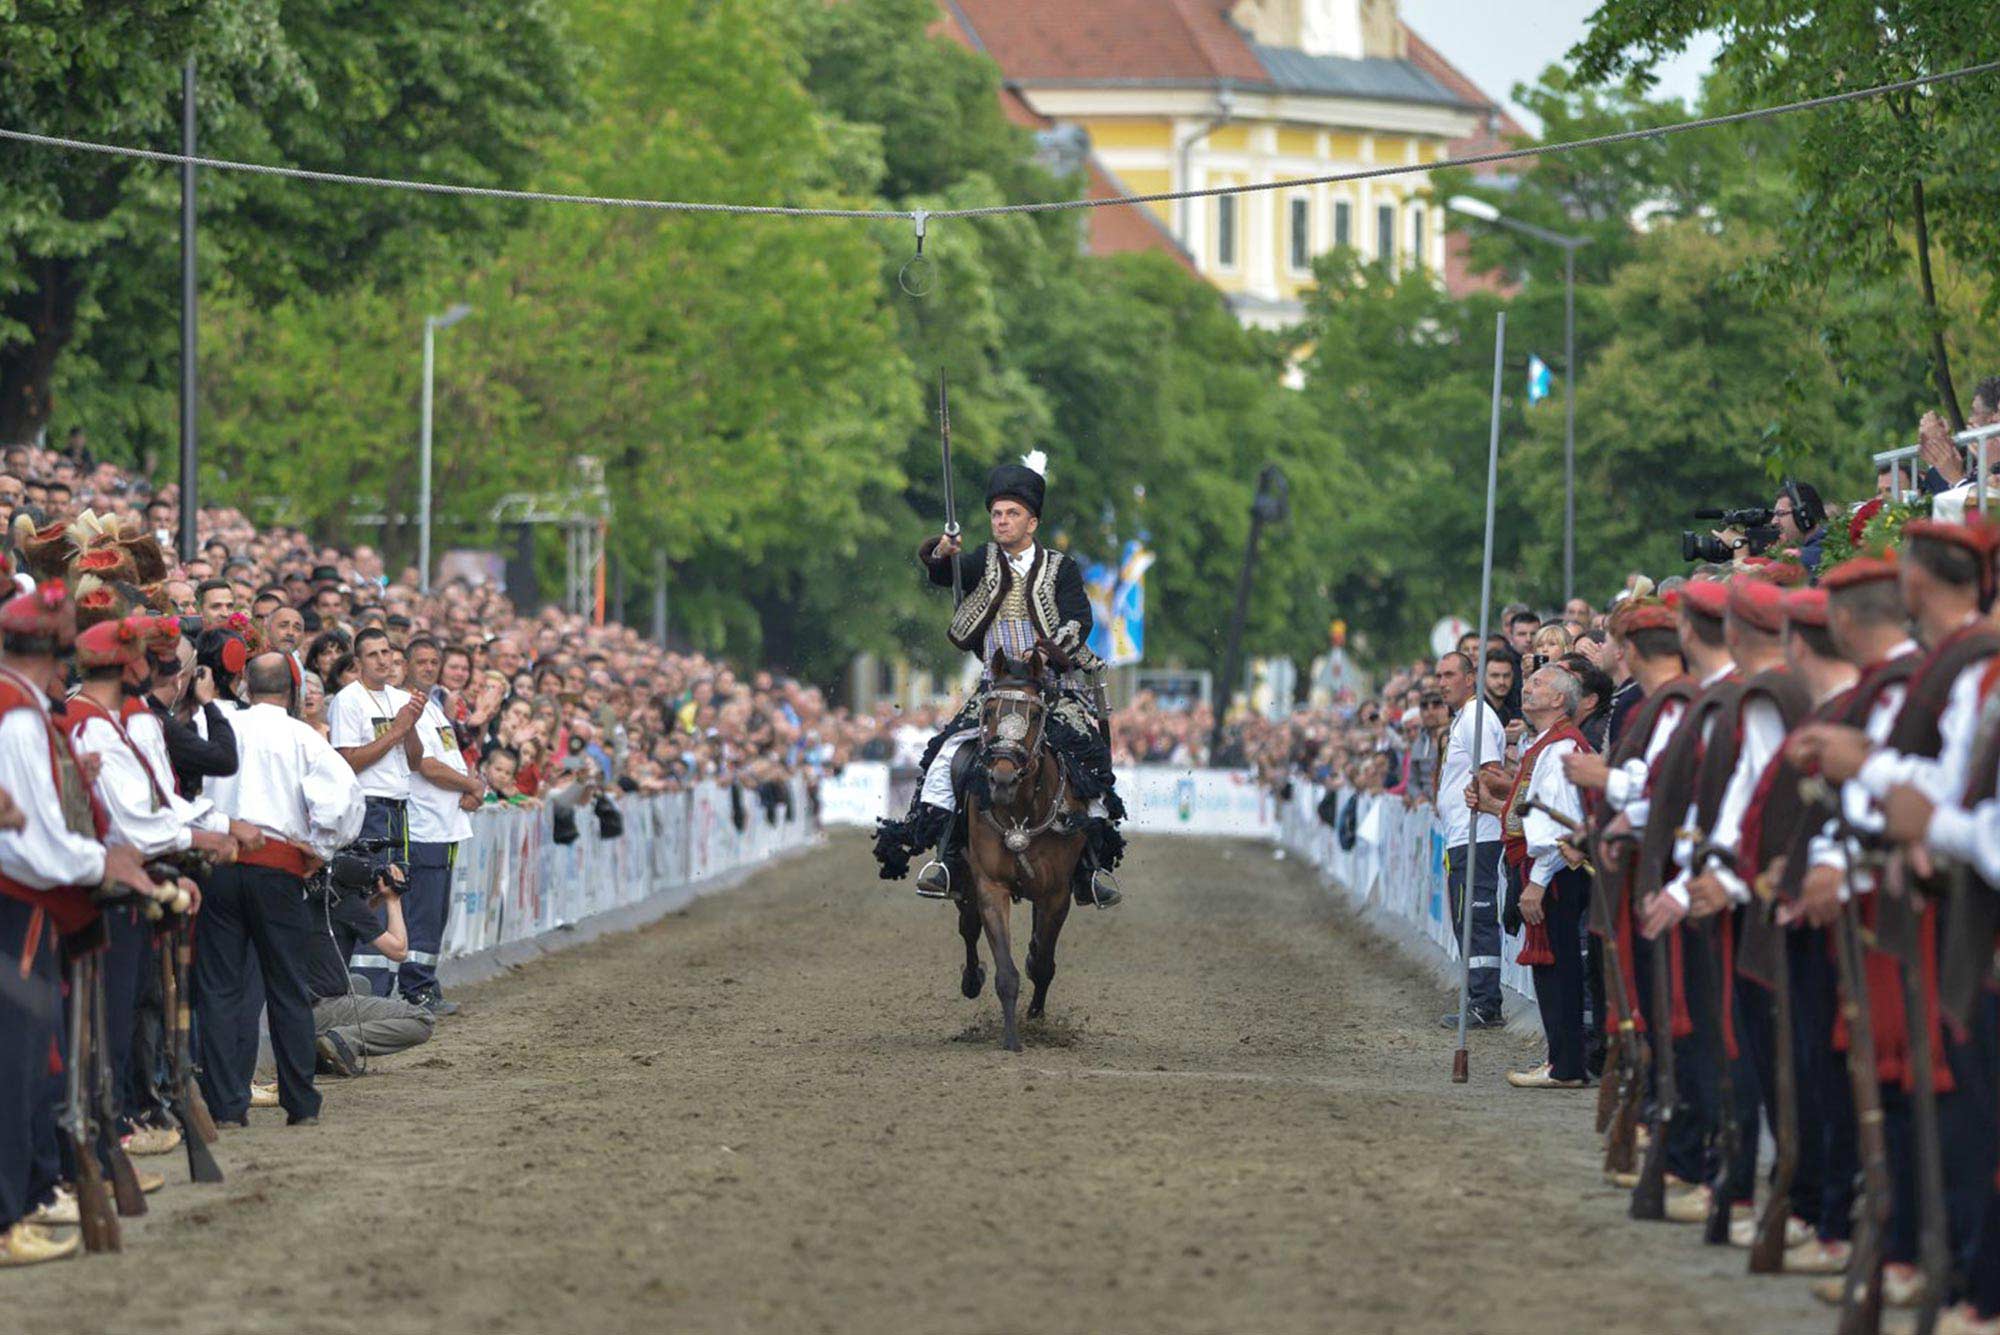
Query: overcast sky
(1500, 45)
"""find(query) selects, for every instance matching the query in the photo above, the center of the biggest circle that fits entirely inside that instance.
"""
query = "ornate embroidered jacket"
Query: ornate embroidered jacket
(1057, 605)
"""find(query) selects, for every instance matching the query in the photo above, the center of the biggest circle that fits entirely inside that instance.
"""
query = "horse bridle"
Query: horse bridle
(1018, 734)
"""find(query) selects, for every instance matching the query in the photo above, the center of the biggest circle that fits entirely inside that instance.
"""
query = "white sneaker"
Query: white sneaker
(263, 1096)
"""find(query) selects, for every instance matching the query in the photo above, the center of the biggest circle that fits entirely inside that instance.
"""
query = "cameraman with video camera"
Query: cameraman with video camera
(1796, 520)
(362, 910)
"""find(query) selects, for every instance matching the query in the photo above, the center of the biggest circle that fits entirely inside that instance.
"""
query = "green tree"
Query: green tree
(89, 257)
(1883, 184)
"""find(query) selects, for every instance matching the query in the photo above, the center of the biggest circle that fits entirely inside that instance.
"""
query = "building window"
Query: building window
(1385, 233)
(1343, 223)
(1417, 235)
(1301, 234)
(1225, 231)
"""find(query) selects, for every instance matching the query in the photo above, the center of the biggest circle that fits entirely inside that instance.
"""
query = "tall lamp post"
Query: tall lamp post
(1480, 209)
(432, 323)
(1272, 504)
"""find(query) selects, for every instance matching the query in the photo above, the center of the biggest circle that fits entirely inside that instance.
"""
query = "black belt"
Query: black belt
(400, 803)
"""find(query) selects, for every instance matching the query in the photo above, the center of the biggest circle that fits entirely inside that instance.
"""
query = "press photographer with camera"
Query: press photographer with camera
(294, 787)
(361, 907)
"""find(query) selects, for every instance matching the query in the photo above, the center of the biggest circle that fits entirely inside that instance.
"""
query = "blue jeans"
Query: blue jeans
(425, 909)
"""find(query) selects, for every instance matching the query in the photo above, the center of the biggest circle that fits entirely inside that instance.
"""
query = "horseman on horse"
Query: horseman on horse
(1023, 597)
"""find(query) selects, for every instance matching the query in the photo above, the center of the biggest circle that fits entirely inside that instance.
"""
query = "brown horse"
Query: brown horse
(1024, 834)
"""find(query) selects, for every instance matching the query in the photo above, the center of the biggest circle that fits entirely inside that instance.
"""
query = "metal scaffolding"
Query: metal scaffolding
(583, 512)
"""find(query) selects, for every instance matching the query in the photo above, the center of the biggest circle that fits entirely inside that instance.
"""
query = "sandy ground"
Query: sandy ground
(773, 1112)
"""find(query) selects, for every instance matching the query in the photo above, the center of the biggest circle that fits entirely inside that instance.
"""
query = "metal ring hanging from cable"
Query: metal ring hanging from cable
(916, 277)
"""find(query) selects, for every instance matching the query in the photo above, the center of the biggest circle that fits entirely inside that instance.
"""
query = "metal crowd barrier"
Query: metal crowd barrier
(513, 881)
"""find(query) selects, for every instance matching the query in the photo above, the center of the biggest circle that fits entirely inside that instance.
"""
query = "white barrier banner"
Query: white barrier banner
(858, 795)
(513, 881)
(1159, 799)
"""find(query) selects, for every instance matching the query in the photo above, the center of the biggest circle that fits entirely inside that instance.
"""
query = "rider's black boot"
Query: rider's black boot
(1091, 883)
(934, 881)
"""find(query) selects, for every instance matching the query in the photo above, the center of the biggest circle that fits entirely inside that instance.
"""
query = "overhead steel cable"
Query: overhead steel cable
(920, 216)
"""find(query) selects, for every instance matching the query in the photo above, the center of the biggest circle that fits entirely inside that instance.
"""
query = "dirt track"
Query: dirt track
(773, 1112)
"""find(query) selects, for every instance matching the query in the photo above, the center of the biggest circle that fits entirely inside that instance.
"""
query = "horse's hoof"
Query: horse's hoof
(1012, 1043)
(972, 982)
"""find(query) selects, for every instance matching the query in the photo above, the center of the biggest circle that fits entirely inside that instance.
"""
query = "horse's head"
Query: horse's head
(1011, 723)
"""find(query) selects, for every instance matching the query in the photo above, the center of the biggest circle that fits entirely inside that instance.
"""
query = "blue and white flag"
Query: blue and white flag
(1118, 605)
(1540, 379)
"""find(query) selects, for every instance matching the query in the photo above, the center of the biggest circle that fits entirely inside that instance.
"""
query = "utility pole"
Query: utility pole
(189, 480)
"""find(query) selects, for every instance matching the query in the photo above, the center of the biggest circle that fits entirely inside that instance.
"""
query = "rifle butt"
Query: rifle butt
(1608, 1086)
(1767, 1250)
(1715, 1229)
(124, 1182)
(95, 1219)
(202, 1166)
(199, 1119)
(1649, 1195)
(1621, 1145)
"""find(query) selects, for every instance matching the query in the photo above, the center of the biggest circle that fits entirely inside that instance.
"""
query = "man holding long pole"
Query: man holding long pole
(1475, 741)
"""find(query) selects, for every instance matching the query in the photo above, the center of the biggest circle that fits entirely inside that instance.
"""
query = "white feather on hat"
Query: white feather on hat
(1037, 461)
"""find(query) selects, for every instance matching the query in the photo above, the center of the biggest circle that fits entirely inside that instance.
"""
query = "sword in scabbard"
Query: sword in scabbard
(951, 529)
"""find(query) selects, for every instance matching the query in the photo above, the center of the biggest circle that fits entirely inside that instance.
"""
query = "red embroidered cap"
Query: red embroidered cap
(45, 617)
(1858, 570)
(118, 643)
(1757, 602)
(1806, 607)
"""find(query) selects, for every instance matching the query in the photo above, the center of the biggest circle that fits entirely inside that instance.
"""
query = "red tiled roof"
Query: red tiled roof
(1119, 228)
(1110, 40)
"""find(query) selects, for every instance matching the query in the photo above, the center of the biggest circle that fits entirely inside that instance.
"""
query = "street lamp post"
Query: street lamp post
(1480, 209)
(432, 323)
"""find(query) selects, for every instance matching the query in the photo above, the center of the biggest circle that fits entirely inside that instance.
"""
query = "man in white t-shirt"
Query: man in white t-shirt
(374, 727)
(1466, 850)
(444, 790)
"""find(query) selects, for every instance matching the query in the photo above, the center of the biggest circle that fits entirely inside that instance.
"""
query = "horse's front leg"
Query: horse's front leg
(1051, 911)
(974, 978)
(995, 908)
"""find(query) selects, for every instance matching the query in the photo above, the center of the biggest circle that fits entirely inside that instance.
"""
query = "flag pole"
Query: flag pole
(1460, 1061)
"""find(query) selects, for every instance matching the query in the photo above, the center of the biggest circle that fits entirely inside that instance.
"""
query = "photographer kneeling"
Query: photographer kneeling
(363, 905)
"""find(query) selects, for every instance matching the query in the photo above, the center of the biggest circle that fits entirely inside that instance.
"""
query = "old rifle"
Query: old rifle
(181, 1096)
(1861, 1289)
(951, 528)
(1649, 1195)
(93, 1204)
(1899, 929)
(1621, 1127)
(1767, 1249)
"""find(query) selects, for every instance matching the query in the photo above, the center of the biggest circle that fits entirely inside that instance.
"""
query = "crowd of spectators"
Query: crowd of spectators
(537, 698)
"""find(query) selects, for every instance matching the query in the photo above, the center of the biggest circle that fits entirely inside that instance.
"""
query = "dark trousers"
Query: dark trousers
(1826, 1099)
(1966, 1141)
(1484, 989)
(1754, 1076)
(262, 912)
(425, 909)
(384, 819)
(125, 963)
(1597, 1006)
(147, 1069)
(1698, 1060)
(30, 1015)
(1559, 987)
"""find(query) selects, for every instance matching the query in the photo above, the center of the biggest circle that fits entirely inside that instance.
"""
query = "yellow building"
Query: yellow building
(1191, 94)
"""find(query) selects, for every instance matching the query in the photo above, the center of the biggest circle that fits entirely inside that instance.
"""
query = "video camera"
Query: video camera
(1753, 522)
(355, 872)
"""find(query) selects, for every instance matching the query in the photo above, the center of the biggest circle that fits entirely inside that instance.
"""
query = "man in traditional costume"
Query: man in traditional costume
(1022, 596)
